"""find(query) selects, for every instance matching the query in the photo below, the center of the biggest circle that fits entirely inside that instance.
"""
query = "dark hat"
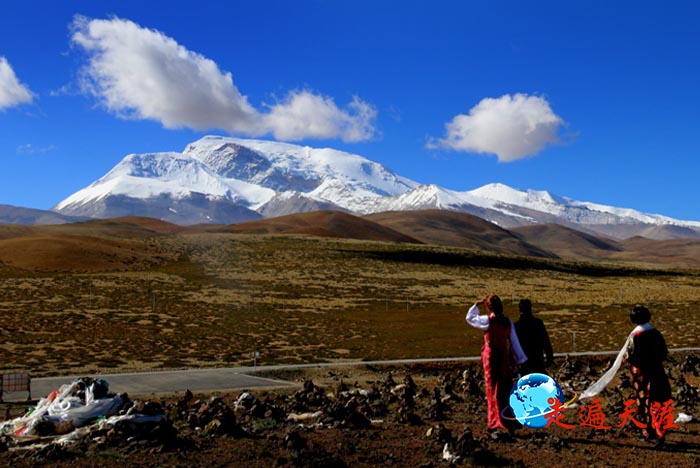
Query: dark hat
(640, 315)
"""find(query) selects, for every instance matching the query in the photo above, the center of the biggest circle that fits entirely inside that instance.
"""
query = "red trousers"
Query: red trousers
(498, 377)
(646, 412)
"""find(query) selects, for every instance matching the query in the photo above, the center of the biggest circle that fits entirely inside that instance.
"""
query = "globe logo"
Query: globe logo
(531, 399)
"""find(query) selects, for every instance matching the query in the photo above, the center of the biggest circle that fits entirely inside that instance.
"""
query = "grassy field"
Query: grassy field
(213, 299)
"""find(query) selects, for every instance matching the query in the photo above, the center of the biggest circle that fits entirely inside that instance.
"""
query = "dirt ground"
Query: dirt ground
(210, 300)
(304, 300)
(389, 416)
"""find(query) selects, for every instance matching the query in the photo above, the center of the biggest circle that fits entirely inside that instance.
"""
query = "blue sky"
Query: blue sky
(612, 89)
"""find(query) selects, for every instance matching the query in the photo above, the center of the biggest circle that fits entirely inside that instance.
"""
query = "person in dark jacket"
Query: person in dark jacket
(534, 340)
(646, 354)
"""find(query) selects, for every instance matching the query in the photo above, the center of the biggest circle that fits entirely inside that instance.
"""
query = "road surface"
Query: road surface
(224, 379)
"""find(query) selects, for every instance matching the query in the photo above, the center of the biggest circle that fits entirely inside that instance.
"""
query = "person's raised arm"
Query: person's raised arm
(475, 320)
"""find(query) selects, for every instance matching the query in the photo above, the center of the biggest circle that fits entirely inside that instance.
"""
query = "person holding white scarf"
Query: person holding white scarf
(645, 350)
(646, 354)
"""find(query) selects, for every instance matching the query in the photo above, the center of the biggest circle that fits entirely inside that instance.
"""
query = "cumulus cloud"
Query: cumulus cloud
(12, 92)
(304, 114)
(512, 127)
(143, 74)
(140, 73)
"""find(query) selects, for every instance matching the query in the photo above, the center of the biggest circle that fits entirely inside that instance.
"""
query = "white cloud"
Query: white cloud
(29, 149)
(303, 114)
(141, 73)
(12, 92)
(512, 127)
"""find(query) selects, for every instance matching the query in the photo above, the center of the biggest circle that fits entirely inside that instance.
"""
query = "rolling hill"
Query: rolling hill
(455, 229)
(323, 224)
(128, 243)
(566, 242)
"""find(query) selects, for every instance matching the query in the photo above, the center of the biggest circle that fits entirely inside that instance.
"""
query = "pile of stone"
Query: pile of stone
(463, 449)
(211, 418)
(188, 423)
(83, 416)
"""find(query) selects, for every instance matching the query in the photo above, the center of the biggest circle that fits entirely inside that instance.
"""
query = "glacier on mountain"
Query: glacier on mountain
(233, 179)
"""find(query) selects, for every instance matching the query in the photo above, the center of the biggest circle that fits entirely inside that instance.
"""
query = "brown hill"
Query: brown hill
(45, 252)
(620, 232)
(96, 245)
(673, 251)
(324, 224)
(668, 232)
(8, 231)
(451, 228)
(124, 227)
(567, 242)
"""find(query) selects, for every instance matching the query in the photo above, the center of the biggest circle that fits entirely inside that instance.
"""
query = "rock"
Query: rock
(341, 388)
(436, 407)
(471, 383)
(304, 417)
(357, 420)
(406, 415)
(691, 364)
(440, 434)
(245, 401)
(389, 382)
(193, 420)
(186, 398)
(470, 450)
(212, 428)
(294, 441)
(686, 395)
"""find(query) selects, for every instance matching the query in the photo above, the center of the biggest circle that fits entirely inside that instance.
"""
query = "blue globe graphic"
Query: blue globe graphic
(529, 399)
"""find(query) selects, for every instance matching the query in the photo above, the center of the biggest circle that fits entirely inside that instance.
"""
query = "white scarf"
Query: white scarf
(604, 381)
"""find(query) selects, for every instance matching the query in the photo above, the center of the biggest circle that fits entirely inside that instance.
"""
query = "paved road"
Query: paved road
(144, 383)
(236, 378)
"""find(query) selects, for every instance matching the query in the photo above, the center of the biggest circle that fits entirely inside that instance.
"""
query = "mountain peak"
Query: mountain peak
(224, 180)
(503, 192)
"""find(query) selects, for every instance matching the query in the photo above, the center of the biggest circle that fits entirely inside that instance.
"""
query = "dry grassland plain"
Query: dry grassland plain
(211, 300)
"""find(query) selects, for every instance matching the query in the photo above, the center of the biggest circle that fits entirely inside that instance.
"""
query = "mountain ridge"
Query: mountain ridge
(223, 180)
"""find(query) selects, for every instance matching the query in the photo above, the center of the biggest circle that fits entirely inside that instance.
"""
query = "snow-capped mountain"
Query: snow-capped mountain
(509, 207)
(253, 176)
(227, 180)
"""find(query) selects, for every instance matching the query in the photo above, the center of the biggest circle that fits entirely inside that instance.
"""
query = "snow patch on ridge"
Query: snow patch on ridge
(253, 173)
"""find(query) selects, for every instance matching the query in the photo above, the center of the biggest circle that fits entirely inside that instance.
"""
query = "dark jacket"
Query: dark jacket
(647, 353)
(535, 342)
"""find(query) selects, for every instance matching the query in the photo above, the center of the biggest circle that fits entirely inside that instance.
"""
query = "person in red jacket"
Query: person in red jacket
(500, 354)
